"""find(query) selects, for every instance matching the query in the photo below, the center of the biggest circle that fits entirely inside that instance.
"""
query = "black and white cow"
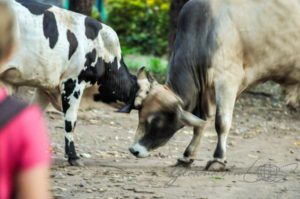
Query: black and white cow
(221, 48)
(60, 54)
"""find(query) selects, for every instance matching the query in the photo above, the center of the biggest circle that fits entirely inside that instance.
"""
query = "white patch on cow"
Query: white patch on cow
(143, 152)
(37, 65)
(70, 137)
(111, 43)
(44, 67)
(71, 114)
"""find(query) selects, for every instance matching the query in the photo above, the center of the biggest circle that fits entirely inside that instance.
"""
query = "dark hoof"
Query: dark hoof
(181, 162)
(76, 162)
(215, 165)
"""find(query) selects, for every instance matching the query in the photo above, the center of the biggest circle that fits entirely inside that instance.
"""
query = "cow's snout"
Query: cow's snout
(138, 151)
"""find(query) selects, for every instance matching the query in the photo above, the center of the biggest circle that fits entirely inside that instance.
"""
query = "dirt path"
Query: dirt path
(263, 157)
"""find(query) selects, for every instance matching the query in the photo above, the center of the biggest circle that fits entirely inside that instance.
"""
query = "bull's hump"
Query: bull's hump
(92, 28)
(34, 7)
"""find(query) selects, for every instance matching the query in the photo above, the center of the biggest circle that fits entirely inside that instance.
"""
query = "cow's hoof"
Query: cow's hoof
(184, 162)
(215, 165)
(76, 162)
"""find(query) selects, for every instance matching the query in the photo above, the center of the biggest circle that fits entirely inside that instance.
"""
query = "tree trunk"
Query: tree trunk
(175, 8)
(82, 6)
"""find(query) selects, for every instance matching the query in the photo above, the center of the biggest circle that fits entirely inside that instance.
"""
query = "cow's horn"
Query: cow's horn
(189, 119)
(125, 109)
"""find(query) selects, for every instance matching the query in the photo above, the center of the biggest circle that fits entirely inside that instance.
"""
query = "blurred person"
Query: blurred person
(24, 146)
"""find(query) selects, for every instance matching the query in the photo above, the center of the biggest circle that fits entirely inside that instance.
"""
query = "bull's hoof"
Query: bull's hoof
(215, 165)
(184, 162)
(76, 162)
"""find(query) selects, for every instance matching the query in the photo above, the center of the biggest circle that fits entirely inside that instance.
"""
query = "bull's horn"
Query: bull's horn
(151, 78)
(189, 119)
(141, 72)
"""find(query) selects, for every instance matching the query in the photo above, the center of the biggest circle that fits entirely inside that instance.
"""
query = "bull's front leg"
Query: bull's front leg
(190, 152)
(225, 99)
(71, 95)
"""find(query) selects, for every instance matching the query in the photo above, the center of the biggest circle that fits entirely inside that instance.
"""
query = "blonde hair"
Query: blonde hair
(7, 29)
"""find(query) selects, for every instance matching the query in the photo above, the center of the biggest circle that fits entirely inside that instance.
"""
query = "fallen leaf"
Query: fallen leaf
(297, 143)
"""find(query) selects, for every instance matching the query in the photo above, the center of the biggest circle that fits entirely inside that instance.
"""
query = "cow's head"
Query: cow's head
(117, 84)
(160, 115)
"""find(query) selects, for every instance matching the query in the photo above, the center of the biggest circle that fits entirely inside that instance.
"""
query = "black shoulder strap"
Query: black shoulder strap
(10, 107)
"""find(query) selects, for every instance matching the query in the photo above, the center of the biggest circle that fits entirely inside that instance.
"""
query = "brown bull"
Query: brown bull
(221, 48)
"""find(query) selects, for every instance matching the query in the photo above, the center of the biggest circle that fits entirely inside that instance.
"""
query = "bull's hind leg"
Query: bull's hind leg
(225, 100)
(71, 95)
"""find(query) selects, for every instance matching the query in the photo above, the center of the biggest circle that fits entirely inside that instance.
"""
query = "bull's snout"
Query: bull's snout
(138, 151)
(133, 152)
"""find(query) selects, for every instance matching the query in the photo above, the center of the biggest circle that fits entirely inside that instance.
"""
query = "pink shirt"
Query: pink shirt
(23, 145)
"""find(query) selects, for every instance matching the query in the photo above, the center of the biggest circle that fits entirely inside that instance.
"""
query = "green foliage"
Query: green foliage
(95, 13)
(217, 177)
(157, 66)
(129, 51)
(141, 24)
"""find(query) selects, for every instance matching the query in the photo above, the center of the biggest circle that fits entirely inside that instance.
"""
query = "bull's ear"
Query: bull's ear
(150, 78)
(190, 119)
(142, 73)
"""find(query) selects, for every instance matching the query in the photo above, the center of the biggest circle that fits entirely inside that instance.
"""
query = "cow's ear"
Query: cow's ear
(125, 109)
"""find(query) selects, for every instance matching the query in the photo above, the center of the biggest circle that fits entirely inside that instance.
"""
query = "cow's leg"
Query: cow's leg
(71, 96)
(40, 98)
(225, 99)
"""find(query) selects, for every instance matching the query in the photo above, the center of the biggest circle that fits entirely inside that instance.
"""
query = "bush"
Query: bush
(141, 24)
(157, 66)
